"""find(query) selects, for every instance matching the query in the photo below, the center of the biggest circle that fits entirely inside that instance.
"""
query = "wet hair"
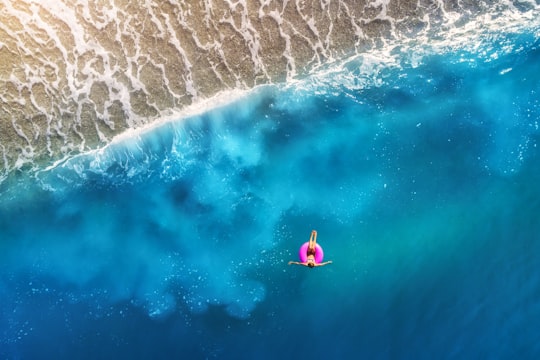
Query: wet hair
(311, 264)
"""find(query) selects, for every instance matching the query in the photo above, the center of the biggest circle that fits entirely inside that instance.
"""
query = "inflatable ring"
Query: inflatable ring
(319, 254)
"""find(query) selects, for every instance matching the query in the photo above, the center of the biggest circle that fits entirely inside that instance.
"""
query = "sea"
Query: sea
(417, 161)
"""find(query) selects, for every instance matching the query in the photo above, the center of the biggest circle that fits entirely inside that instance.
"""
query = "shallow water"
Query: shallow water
(422, 182)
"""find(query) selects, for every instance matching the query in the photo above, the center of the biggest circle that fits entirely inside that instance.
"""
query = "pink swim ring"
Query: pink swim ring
(319, 254)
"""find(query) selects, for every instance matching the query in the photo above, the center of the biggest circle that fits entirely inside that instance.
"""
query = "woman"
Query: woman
(311, 250)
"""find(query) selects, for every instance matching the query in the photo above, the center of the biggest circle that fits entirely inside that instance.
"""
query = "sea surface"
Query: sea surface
(418, 163)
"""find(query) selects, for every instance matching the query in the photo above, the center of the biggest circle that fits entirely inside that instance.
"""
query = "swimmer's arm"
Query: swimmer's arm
(324, 263)
(297, 263)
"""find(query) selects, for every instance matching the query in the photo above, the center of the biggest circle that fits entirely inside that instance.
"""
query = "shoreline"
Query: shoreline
(31, 140)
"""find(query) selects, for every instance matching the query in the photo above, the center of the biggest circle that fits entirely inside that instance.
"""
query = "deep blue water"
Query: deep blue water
(424, 188)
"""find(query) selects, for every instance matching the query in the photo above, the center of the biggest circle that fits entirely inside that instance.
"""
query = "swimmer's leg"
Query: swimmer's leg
(313, 240)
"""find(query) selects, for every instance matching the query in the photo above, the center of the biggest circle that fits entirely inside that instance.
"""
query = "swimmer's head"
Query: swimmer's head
(310, 264)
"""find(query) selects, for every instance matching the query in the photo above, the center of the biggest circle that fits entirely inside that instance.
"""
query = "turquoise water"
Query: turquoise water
(422, 180)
